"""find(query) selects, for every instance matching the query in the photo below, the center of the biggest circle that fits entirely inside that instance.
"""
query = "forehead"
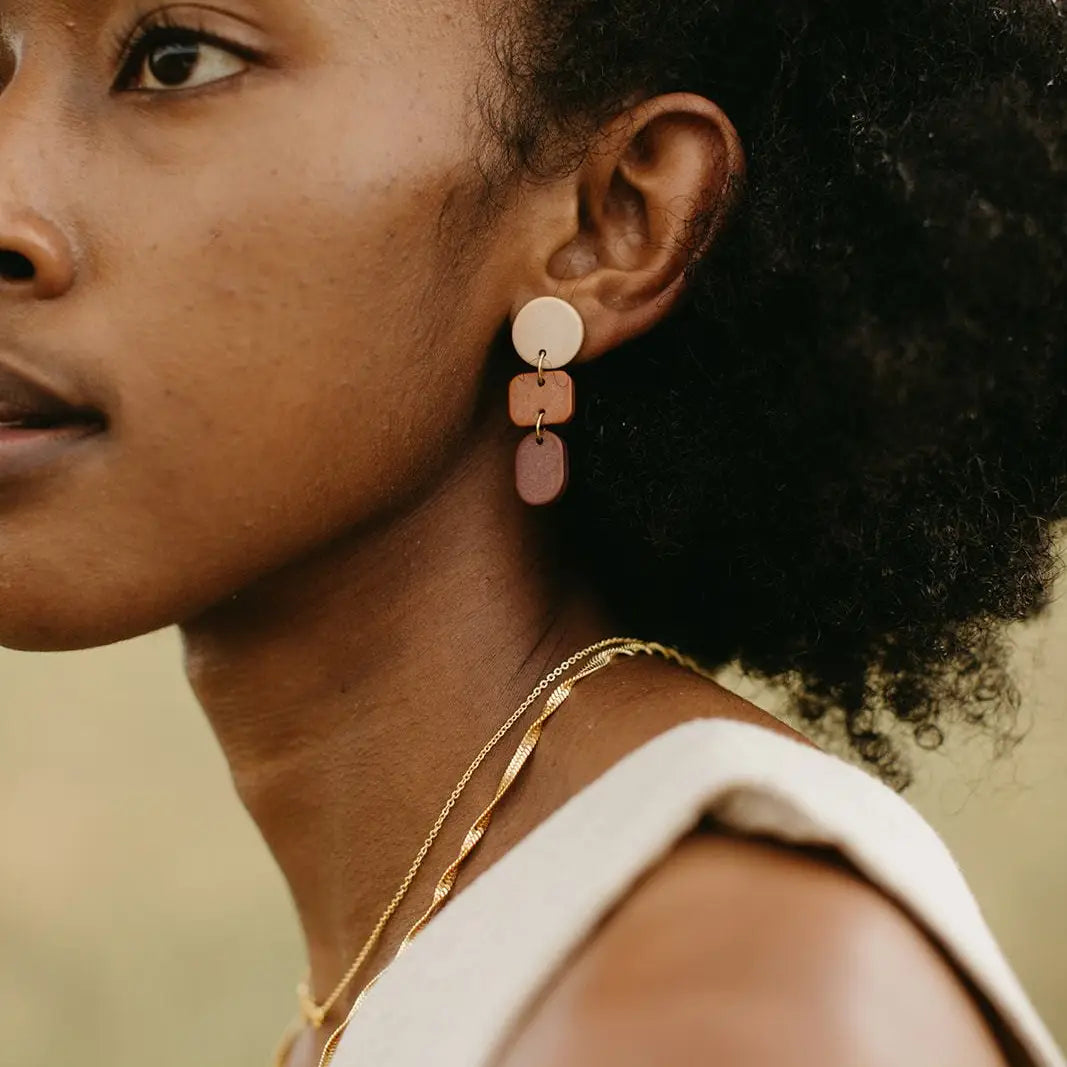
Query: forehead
(68, 11)
(421, 13)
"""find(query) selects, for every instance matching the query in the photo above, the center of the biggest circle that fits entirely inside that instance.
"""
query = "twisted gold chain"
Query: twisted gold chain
(602, 654)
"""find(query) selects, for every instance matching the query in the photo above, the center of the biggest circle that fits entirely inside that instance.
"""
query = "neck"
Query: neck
(351, 691)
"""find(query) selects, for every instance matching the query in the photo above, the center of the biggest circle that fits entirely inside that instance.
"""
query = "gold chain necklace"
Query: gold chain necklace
(600, 655)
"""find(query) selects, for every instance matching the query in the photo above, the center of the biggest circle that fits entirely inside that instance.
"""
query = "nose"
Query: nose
(36, 258)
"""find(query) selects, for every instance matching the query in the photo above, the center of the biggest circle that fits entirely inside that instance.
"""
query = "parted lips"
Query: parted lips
(25, 403)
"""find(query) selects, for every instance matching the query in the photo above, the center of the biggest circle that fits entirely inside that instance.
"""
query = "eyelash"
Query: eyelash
(159, 29)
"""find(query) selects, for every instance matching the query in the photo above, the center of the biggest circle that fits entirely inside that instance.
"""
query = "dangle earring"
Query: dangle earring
(548, 334)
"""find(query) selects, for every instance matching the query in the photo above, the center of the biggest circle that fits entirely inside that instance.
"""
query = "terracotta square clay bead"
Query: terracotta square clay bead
(541, 469)
(527, 398)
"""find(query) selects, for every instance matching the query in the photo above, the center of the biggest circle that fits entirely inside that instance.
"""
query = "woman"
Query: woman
(268, 268)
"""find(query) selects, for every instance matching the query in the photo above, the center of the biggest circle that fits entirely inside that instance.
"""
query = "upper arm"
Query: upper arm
(753, 955)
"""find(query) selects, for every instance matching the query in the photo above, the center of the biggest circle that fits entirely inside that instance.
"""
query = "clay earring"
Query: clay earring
(548, 334)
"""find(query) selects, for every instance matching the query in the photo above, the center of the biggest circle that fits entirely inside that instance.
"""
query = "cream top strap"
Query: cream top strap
(454, 996)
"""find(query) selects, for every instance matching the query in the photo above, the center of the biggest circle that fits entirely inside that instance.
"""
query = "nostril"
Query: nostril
(15, 267)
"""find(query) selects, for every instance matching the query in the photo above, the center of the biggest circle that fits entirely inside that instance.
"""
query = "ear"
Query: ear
(622, 231)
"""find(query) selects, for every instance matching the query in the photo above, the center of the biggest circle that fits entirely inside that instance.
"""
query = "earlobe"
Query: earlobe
(652, 194)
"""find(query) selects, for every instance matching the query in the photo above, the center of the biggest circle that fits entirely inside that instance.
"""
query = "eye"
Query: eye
(165, 59)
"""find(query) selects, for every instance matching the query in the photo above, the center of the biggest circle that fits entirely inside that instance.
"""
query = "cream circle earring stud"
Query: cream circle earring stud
(548, 333)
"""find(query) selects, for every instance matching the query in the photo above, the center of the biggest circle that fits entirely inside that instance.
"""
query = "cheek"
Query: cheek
(280, 370)
(301, 340)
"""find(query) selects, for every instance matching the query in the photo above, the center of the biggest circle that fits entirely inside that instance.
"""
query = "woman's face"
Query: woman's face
(244, 255)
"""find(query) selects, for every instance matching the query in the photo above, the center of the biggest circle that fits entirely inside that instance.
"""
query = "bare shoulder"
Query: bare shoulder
(750, 954)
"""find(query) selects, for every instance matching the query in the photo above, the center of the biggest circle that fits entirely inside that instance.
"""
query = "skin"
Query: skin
(809, 967)
(283, 291)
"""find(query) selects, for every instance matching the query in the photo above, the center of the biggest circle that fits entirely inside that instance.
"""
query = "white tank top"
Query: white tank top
(454, 996)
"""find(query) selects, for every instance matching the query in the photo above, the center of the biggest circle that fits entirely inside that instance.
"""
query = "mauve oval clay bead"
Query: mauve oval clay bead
(541, 469)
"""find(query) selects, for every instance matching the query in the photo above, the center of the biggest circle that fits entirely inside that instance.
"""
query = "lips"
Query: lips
(26, 404)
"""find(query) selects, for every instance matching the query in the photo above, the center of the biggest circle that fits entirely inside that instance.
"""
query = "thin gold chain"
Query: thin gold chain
(603, 653)
(316, 1013)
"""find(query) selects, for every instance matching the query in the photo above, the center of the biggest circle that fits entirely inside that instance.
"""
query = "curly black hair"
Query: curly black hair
(840, 462)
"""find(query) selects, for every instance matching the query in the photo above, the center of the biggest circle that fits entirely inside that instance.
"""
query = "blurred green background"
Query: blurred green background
(142, 921)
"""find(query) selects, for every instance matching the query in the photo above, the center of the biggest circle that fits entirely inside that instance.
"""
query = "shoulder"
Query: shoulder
(750, 953)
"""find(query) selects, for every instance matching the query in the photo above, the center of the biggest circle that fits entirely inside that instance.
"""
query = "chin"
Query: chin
(71, 627)
(57, 640)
